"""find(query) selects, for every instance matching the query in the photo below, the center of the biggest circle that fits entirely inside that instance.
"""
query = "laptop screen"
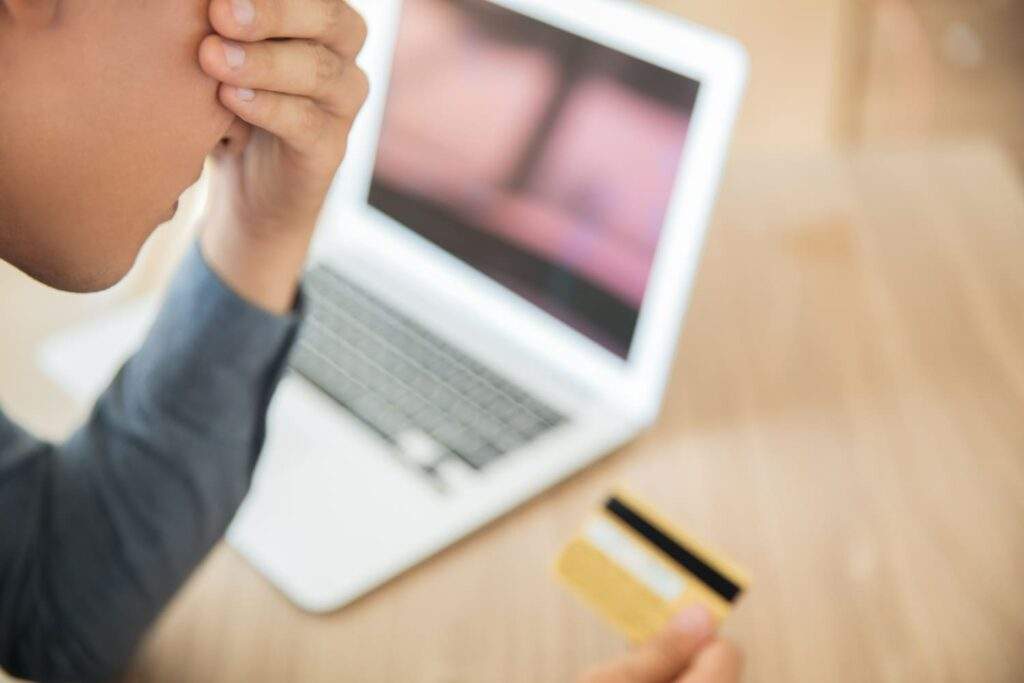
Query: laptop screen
(541, 159)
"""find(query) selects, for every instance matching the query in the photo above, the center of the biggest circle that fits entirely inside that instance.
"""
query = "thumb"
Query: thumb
(719, 662)
(666, 655)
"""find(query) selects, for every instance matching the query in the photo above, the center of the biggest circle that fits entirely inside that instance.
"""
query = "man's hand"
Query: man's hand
(686, 651)
(288, 70)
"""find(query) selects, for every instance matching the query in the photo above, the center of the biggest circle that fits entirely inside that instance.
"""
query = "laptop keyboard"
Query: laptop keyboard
(428, 398)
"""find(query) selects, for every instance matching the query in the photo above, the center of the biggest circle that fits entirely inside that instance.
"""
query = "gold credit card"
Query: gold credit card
(638, 571)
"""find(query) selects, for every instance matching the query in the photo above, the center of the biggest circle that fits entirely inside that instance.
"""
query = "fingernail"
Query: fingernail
(695, 621)
(245, 94)
(234, 54)
(244, 11)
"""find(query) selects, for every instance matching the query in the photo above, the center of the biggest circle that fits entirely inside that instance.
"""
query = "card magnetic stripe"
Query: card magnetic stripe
(711, 577)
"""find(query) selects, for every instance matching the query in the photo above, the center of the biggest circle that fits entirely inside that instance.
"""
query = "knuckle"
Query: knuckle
(362, 86)
(352, 94)
(311, 123)
(333, 12)
(360, 30)
(326, 67)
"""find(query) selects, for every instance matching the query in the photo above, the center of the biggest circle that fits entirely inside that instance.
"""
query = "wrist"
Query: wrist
(262, 266)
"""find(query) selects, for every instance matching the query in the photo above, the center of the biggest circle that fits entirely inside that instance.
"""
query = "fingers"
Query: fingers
(331, 22)
(665, 656)
(305, 87)
(720, 662)
(295, 67)
(297, 121)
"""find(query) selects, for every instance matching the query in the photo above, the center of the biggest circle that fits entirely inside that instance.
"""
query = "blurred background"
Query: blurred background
(838, 73)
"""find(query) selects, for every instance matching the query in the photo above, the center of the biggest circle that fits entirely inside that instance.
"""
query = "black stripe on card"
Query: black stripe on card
(677, 553)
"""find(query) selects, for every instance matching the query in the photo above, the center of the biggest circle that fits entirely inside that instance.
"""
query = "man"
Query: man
(107, 112)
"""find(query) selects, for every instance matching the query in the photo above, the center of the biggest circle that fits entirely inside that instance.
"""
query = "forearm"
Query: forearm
(97, 535)
(111, 525)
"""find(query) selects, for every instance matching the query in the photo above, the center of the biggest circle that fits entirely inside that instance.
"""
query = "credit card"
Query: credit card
(638, 571)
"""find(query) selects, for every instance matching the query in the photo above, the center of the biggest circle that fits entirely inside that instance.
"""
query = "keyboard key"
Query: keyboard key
(419, 391)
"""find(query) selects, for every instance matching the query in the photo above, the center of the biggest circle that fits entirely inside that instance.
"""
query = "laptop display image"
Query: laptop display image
(542, 159)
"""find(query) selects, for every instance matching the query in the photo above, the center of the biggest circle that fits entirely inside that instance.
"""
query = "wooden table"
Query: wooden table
(846, 419)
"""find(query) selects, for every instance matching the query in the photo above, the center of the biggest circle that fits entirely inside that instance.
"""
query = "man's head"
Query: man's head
(105, 119)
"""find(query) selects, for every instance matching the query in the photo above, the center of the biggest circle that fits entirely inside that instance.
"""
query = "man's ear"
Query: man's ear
(35, 13)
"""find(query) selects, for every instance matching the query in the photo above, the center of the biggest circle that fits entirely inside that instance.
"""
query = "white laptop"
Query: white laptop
(499, 278)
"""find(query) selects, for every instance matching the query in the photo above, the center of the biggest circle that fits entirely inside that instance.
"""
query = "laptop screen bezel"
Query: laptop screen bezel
(719, 64)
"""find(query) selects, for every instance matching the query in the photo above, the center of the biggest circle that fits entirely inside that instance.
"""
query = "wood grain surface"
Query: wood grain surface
(846, 419)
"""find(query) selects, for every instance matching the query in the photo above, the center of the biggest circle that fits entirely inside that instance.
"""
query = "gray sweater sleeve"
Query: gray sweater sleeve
(96, 535)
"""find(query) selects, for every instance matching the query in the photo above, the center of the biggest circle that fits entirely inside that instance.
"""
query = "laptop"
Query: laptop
(498, 282)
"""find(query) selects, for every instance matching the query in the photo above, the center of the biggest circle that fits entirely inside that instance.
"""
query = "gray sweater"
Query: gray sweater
(96, 535)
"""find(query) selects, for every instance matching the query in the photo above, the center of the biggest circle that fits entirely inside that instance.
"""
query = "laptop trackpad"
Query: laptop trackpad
(328, 494)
